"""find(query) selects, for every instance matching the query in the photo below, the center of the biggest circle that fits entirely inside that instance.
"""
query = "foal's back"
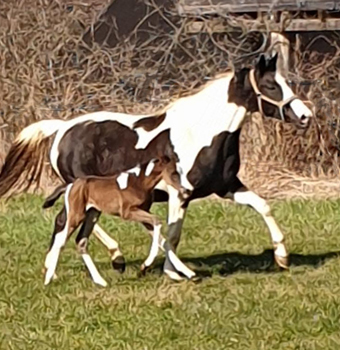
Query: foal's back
(116, 194)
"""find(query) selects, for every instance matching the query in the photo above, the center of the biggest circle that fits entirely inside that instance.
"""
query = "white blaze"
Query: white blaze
(298, 107)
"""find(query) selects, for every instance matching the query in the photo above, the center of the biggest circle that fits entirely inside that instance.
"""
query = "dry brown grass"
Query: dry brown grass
(46, 71)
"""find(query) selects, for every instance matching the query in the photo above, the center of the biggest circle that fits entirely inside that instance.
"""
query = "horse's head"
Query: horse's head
(274, 97)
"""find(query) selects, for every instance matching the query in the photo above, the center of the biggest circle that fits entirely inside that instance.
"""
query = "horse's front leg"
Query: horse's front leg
(243, 196)
(176, 214)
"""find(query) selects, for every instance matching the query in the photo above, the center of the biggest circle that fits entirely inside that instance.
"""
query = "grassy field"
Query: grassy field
(244, 301)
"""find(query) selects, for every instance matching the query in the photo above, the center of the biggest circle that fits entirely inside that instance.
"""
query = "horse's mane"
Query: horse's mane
(194, 91)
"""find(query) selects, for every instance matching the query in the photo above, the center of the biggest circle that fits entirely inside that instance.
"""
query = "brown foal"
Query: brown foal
(126, 195)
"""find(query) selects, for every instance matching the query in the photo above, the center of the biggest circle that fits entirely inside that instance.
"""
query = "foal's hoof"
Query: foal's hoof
(196, 279)
(142, 271)
(119, 263)
(282, 261)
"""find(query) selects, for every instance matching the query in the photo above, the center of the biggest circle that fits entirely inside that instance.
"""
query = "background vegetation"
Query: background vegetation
(47, 71)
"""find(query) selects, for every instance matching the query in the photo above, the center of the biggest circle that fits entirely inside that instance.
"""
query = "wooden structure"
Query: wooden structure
(272, 15)
(123, 16)
(239, 6)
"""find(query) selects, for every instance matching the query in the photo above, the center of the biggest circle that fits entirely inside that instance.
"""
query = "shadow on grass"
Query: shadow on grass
(229, 263)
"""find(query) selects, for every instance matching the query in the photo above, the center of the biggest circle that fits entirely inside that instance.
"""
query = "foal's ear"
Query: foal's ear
(272, 63)
(262, 65)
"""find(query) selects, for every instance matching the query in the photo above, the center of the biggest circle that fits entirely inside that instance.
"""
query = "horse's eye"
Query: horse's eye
(271, 88)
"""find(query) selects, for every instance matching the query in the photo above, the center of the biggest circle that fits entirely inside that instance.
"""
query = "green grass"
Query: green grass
(244, 302)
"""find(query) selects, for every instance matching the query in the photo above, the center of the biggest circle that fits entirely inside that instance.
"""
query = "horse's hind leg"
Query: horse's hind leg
(91, 218)
(117, 258)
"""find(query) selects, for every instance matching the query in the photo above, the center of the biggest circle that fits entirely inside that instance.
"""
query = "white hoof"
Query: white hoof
(173, 275)
(48, 279)
(179, 266)
(100, 281)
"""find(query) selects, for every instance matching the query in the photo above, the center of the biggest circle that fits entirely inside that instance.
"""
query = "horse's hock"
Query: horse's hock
(47, 71)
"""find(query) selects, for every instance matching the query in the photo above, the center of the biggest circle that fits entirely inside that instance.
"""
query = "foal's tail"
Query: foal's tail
(25, 159)
(52, 198)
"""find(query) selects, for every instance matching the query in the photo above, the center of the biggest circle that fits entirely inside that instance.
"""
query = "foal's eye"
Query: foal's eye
(271, 88)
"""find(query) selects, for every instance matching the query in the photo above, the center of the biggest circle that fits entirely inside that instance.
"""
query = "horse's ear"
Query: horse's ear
(272, 63)
(262, 64)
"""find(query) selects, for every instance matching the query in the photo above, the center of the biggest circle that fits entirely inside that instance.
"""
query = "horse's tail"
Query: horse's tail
(24, 162)
(52, 198)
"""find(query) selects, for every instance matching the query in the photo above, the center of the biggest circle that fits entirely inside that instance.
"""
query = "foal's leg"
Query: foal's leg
(147, 219)
(243, 196)
(62, 230)
(153, 226)
(91, 218)
(117, 258)
(59, 224)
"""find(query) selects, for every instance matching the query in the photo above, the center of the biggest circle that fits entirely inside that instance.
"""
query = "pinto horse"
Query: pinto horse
(203, 128)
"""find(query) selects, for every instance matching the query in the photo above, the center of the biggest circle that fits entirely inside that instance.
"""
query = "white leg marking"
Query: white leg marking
(154, 246)
(52, 257)
(48, 261)
(175, 217)
(161, 239)
(97, 278)
(175, 211)
(261, 206)
(179, 266)
(104, 238)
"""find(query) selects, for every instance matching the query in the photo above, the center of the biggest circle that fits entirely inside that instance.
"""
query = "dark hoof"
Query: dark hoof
(142, 271)
(119, 264)
(283, 262)
(141, 274)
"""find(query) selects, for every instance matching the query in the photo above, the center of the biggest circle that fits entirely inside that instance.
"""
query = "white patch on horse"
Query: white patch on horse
(136, 170)
(298, 107)
(195, 120)
(41, 129)
(150, 167)
(123, 180)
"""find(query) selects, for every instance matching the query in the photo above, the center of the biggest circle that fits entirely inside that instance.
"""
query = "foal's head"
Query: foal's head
(266, 90)
(164, 168)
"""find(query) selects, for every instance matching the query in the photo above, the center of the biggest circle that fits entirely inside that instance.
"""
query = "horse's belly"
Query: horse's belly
(215, 168)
